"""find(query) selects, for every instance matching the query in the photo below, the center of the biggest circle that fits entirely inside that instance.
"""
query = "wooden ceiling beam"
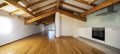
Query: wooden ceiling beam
(100, 6)
(12, 2)
(70, 10)
(28, 6)
(43, 6)
(58, 3)
(45, 11)
(27, 2)
(92, 1)
(48, 20)
(17, 0)
(72, 15)
(14, 12)
(45, 19)
(48, 23)
(40, 17)
(3, 4)
(24, 15)
(74, 6)
(86, 3)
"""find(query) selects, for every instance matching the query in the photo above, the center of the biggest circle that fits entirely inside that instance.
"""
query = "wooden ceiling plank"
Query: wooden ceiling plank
(74, 6)
(43, 6)
(72, 15)
(28, 6)
(12, 2)
(40, 17)
(86, 3)
(100, 6)
(3, 4)
(14, 12)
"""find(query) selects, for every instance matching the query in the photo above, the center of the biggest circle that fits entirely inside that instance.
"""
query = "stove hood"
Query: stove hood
(110, 10)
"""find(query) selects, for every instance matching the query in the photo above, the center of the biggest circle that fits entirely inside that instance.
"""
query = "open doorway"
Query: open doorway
(47, 26)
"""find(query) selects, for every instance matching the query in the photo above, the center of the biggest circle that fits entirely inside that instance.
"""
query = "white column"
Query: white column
(57, 24)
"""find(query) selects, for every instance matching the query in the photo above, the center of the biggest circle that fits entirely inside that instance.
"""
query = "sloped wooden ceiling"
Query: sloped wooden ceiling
(36, 10)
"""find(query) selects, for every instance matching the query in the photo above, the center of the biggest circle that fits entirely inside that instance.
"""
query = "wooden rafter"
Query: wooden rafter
(24, 15)
(49, 19)
(100, 6)
(91, 1)
(75, 6)
(14, 3)
(20, 16)
(14, 12)
(86, 3)
(45, 11)
(3, 4)
(70, 10)
(45, 19)
(27, 2)
(43, 6)
(72, 15)
(48, 23)
(58, 3)
(35, 3)
(40, 17)
(17, 0)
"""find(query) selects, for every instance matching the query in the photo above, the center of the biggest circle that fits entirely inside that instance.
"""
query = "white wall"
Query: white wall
(69, 25)
(41, 28)
(11, 28)
(110, 20)
(57, 24)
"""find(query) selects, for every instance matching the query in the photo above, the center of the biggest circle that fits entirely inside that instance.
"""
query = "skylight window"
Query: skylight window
(22, 4)
(9, 8)
(29, 9)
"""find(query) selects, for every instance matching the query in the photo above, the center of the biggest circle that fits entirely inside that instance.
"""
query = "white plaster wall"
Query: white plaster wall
(69, 26)
(13, 29)
(41, 28)
(57, 24)
(110, 20)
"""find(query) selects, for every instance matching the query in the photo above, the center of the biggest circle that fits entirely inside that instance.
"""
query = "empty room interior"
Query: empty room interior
(59, 26)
